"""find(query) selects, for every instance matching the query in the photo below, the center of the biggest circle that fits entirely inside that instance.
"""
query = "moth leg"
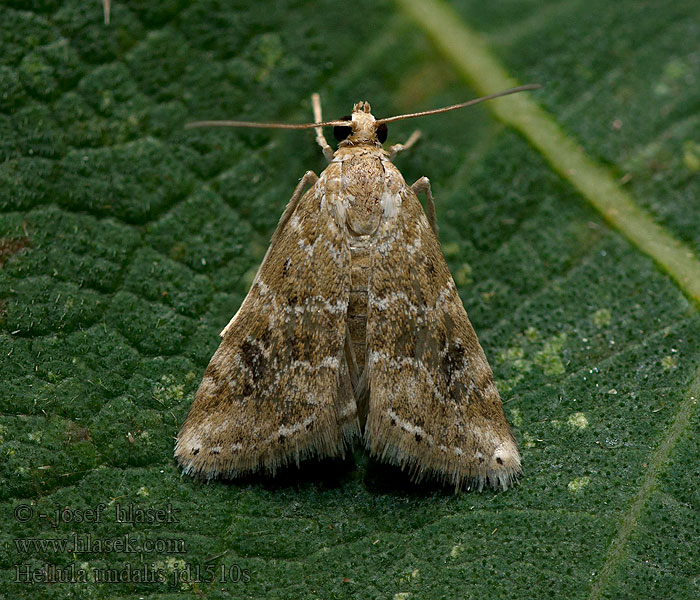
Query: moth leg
(320, 140)
(396, 148)
(423, 185)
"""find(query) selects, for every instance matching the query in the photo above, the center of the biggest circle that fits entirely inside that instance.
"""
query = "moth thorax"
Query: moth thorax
(365, 187)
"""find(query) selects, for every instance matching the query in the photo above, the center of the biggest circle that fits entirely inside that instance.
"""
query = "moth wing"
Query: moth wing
(278, 388)
(434, 408)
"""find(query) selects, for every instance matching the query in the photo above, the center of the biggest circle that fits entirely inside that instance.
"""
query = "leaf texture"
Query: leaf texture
(127, 243)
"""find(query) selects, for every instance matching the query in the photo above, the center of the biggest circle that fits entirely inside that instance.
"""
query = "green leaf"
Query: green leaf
(570, 218)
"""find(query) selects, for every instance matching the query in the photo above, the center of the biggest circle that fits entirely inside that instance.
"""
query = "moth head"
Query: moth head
(362, 128)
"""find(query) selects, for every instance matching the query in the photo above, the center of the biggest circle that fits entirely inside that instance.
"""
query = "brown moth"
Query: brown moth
(353, 328)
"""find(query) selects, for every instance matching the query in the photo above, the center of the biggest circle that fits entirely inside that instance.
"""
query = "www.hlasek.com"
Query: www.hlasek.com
(86, 543)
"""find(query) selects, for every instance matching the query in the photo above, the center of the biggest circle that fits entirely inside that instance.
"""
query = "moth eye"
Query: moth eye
(382, 132)
(340, 132)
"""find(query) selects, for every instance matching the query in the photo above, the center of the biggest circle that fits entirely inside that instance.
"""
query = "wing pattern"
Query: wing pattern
(434, 408)
(278, 387)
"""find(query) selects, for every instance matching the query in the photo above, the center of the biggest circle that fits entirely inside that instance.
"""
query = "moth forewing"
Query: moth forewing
(434, 408)
(353, 322)
(278, 390)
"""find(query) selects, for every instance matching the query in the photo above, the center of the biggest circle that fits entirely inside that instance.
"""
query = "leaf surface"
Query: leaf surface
(127, 243)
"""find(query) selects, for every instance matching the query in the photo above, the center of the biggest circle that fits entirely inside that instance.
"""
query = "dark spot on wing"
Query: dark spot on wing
(253, 359)
(453, 361)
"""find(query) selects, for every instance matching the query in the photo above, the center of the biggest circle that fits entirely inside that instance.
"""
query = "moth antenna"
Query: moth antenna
(515, 90)
(262, 125)
(195, 124)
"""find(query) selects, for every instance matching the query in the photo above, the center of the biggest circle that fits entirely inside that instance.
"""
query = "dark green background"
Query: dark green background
(127, 243)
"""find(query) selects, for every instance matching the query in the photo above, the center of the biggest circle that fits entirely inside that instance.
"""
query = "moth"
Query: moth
(352, 330)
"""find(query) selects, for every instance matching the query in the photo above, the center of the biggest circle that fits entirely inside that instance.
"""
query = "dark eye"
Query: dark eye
(382, 132)
(340, 132)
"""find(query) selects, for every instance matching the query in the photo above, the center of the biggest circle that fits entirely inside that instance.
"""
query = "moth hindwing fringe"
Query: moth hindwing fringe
(353, 329)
